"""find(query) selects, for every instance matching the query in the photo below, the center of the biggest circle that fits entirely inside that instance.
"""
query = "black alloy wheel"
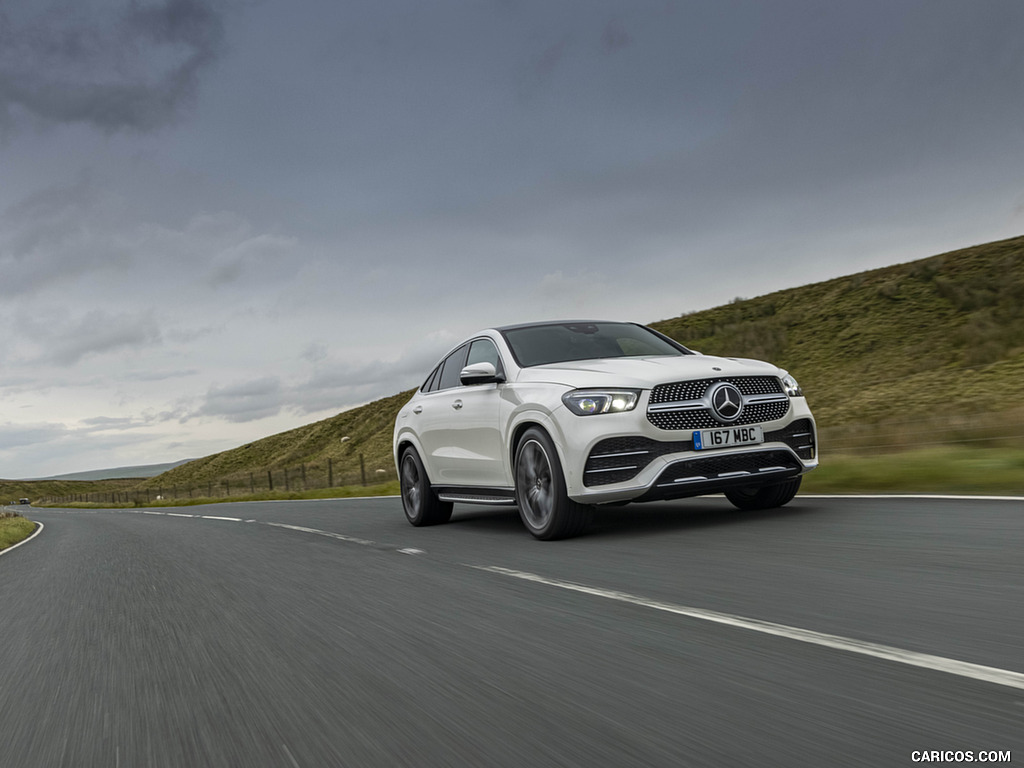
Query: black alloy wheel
(421, 505)
(544, 505)
(764, 497)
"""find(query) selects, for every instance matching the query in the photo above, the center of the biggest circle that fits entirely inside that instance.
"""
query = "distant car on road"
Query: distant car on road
(23, 501)
(554, 417)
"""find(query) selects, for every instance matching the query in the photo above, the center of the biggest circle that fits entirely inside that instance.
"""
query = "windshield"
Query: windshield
(560, 343)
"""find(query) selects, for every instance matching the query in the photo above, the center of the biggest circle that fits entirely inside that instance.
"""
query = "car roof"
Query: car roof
(504, 328)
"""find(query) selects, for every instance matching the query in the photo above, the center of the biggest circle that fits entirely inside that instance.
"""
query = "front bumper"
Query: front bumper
(639, 462)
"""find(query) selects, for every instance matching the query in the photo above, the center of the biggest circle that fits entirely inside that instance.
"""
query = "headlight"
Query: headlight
(589, 402)
(792, 388)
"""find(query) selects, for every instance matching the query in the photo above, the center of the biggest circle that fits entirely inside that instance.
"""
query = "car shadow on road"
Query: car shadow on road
(644, 519)
(687, 514)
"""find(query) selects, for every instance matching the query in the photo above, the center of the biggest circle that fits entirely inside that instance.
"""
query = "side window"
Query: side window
(484, 351)
(431, 383)
(453, 365)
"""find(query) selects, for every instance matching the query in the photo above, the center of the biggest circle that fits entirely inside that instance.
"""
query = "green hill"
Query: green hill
(929, 349)
(927, 352)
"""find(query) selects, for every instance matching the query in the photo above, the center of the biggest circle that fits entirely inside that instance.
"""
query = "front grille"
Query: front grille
(701, 418)
(694, 390)
(715, 467)
(799, 436)
(694, 414)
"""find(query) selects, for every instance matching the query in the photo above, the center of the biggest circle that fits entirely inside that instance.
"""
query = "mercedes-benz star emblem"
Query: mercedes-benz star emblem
(726, 401)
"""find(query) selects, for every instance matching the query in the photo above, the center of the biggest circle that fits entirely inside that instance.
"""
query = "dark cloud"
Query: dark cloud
(130, 67)
(248, 401)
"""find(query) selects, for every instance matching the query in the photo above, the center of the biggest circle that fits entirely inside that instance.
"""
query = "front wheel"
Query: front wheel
(764, 497)
(421, 505)
(544, 505)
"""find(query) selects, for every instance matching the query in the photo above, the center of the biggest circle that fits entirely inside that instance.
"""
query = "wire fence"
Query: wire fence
(310, 476)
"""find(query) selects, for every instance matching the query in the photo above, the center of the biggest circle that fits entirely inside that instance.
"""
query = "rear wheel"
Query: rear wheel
(421, 505)
(764, 497)
(544, 505)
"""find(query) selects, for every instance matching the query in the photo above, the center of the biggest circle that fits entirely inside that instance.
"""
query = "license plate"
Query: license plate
(724, 438)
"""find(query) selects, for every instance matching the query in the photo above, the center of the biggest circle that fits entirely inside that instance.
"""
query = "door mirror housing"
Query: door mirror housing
(480, 373)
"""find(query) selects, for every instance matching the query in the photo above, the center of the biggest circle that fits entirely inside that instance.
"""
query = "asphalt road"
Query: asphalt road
(132, 639)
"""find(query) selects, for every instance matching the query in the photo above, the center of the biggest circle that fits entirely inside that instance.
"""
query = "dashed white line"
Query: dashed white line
(912, 658)
(318, 532)
(229, 519)
(412, 551)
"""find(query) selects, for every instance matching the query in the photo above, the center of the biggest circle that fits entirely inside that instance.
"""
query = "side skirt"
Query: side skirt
(473, 495)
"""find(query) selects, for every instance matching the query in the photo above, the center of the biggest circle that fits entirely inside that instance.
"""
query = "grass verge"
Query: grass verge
(348, 491)
(14, 529)
(947, 469)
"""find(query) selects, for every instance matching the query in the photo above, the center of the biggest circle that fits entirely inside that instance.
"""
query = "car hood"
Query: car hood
(644, 372)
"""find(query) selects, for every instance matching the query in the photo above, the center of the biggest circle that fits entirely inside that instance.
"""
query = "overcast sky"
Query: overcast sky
(220, 220)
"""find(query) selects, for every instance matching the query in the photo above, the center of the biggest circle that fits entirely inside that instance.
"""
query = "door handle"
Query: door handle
(457, 404)
(418, 409)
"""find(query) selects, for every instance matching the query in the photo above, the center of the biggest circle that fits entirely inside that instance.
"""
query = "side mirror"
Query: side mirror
(480, 373)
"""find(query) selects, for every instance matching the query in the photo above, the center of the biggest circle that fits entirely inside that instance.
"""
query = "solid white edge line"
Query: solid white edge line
(938, 496)
(966, 669)
(35, 533)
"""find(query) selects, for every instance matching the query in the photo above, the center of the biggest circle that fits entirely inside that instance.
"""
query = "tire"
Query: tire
(544, 505)
(765, 496)
(421, 505)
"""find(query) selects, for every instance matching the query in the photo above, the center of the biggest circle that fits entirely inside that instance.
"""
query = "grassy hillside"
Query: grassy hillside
(936, 343)
(367, 428)
(925, 353)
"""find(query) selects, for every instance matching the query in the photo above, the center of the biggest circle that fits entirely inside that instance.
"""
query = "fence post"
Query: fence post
(304, 484)
(330, 473)
(270, 479)
(362, 468)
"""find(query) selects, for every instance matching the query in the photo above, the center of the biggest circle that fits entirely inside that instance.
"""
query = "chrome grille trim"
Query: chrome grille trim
(613, 469)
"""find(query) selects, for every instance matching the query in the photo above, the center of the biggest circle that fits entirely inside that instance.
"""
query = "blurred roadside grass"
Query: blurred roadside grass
(344, 492)
(14, 528)
(940, 469)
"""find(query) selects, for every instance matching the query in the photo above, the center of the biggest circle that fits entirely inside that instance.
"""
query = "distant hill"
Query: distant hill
(142, 471)
(922, 349)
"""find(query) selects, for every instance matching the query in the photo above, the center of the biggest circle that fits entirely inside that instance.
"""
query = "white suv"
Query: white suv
(555, 417)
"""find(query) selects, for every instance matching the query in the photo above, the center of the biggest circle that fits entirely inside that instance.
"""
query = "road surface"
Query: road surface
(838, 632)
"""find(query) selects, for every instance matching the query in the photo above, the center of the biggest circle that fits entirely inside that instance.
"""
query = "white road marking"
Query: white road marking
(927, 661)
(24, 541)
(938, 496)
(178, 514)
(229, 519)
(318, 532)
(412, 551)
